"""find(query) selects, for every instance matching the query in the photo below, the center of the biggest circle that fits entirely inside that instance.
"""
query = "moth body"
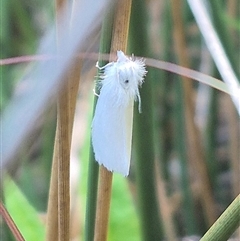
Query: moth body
(113, 118)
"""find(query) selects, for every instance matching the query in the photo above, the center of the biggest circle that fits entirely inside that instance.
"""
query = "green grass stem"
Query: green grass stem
(143, 133)
(93, 168)
(226, 224)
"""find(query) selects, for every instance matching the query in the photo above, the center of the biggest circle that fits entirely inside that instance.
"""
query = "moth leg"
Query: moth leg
(95, 93)
(103, 67)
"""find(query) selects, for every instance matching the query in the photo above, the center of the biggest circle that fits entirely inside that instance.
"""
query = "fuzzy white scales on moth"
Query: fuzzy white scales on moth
(113, 117)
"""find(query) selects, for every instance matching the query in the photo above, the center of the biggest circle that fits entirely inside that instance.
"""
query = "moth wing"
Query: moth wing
(112, 133)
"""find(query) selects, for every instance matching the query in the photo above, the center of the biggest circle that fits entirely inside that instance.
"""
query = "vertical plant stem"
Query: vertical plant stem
(163, 98)
(58, 218)
(119, 42)
(63, 165)
(210, 138)
(234, 145)
(66, 110)
(233, 120)
(226, 224)
(74, 80)
(165, 208)
(93, 168)
(217, 13)
(194, 142)
(65, 122)
(181, 147)
(103, 204)
(145, 169)
(52, 211)
(162, 91)
(144, 134)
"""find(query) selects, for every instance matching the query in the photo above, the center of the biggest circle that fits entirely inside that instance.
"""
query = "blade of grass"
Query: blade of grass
(119, 42)
(210, 138)
(216, 49)
(58, 221)
(159, 64)
(234, 144)
(148, 208)
(63, 166)
(103, 204)
(195, 150)
(191, 74)
(162, 115)
(66, 109)
(183, 111)
(52, 226)
(41, 89)
(52, 210)
(165, 207)
(162, 93)
(226, 224)
(93, 167)
(181, 147)
(223, 31)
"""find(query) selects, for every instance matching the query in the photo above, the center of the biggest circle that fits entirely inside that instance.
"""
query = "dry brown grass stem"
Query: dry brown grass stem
(63, 165)
(121, 27)
(10, 223)
(165, 205)
(234, 143)
(233, 120)
(52, 211)
(66, 105)
(195, 148)
(103, 204)
(58, 216)
(119, 42)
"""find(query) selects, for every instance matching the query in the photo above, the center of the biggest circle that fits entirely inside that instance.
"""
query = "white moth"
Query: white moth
(113, 118)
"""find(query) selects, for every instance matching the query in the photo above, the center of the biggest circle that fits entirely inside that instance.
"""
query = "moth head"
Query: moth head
(131, 74)
(126, 78)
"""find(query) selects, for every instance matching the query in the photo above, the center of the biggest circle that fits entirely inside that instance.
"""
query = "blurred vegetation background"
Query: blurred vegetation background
(185, 161)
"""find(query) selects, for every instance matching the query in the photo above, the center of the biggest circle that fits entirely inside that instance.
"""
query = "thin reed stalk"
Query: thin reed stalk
(63, 166)
(66, 110)
(226, 224)
(188, 212)
(162, 91)
(196, 154)
(52, 210)
(103, 204)
(233, 120)
(165, 207)
(216, 12)
(234, 145)
(210, 137)
(119, 42)
(148, 208)
(58, 217)
(93, 167)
